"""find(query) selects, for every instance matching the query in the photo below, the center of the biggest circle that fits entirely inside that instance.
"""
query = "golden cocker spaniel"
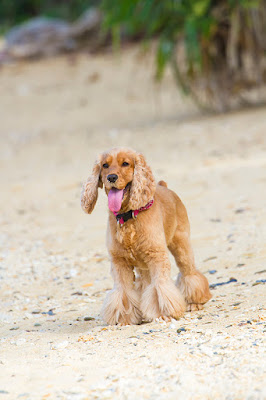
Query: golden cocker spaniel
(145, 220)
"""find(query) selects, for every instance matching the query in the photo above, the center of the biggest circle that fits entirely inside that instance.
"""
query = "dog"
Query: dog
(145, 220)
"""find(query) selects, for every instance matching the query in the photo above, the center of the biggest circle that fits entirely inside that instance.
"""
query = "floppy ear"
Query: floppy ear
(89, 192)
(143, 184)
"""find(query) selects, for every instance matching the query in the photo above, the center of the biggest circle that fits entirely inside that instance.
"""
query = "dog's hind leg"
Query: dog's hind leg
(193, 284)
(121, 305)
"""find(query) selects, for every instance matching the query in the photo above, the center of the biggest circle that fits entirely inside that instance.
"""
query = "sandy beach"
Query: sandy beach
(56, 116)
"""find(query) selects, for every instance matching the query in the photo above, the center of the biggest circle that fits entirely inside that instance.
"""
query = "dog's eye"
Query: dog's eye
(125, 164)
(105, 165)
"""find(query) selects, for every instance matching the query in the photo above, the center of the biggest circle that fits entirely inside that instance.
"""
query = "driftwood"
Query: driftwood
(43, 37)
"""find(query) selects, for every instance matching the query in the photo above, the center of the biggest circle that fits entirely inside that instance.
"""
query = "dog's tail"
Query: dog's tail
(162, 183)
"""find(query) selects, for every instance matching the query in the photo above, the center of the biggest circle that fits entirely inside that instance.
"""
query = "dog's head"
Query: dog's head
(127, 180)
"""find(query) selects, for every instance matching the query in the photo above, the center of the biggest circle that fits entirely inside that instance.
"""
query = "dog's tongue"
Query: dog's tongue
(115, 197)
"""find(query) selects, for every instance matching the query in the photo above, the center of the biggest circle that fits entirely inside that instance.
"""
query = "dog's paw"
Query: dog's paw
(195, 289)
(163, 318)
(122, 309)
(162, 300)
(194, 307)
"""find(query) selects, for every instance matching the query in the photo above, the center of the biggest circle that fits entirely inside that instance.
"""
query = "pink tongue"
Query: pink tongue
(115, 198)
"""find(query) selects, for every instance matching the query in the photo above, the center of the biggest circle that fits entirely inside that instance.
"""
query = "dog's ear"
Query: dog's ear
(143, 184)
(89, 192)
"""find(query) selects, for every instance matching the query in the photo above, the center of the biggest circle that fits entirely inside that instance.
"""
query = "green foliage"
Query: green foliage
(206, 42)
(171, 20)
(202, 27)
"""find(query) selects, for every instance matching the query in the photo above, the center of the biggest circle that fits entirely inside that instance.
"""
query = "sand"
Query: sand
(56, 116)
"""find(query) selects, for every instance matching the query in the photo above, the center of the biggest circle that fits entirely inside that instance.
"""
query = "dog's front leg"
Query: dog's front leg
(121, 305)
(161, 298)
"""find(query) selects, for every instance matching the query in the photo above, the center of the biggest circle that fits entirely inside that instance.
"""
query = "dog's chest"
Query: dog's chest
(126, 235)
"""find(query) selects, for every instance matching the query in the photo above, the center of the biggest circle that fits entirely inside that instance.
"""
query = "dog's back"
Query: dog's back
(173, 210)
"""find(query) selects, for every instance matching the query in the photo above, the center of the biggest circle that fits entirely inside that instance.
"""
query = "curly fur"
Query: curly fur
(162, 300)
(121, 308)
(143, 184)
(89, 194)
(141, 245)
(195, 288)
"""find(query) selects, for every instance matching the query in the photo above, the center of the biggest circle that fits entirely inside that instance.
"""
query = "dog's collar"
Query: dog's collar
(122, 218)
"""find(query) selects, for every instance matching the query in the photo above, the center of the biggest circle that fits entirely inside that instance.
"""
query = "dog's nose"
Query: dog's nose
(112, 178)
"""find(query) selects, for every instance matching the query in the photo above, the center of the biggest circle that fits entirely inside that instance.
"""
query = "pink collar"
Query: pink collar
(122, 218)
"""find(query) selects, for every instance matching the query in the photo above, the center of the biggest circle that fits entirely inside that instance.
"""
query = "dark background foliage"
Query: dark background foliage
(215, 48)
(13, 12)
